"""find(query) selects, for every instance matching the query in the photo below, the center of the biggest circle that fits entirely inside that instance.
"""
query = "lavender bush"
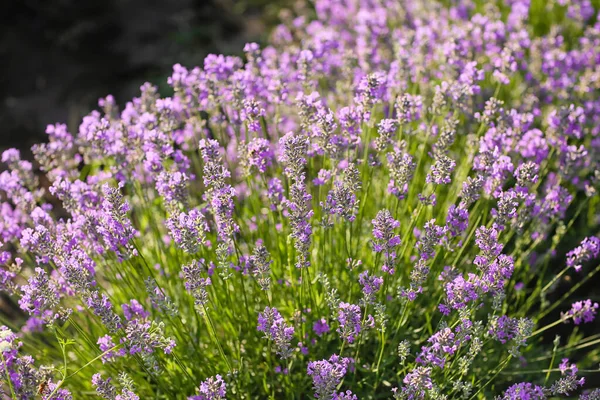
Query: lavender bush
(384, 202)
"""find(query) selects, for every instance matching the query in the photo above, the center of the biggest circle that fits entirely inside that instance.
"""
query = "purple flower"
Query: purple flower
(460, 292)
(431, 237)
(173, 186)
(300, 213)
(104, 388)
(590, 395)
(487, 241)
(115, 227)
(320, 327)
(272, 324)
(442, 344)
(504, 329)
(441, 170)
(386, 128)
(105, 343)
(370, 286)
(349, 317)
(566, 368)
(213, 388)
(341, 201)
(102, 308)
(58, 393)
(416, 384)
(347, 395)
(187, 229)
(457, 220)
(409, 108)
(385, 239)
(589, 249)
(293, 153)
(533, 145)
(260, 154)
(219, 192)
(581, 312)
(275, 193)
(144, 337)
(524, 391)
(327, 375)
(134, 310)
(260, 266)
(401, 166)
(251, 114)
(195, 283)
(506, 209)
(322, 178)
(39, 294)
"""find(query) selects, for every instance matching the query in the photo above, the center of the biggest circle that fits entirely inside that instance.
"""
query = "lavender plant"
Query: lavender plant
(392, 199)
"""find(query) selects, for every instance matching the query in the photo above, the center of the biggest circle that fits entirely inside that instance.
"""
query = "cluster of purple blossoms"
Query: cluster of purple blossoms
(443, 344)
(106, 390)
(417, 384)
(386, 128)
(134, 310)
(457, 220)
(293, 156)
(173, 187)
(402, 167)
(39, 294)
(114, 226)
(188, 229)
(103, 308)
(513, 330)
(321, 327)
(441, 170)
(589, 249)
(144, 337)
(524, 390)
(581, 312)
(349, 317)
(109, 349)
(213, 388)
(272, 324)
(431, 237)
(251, 114)
(196, 284)
(259, 155)
(327, 375)
(385, 239)
(370, 286)
(219, 191)
(260, 266)
(341, 199)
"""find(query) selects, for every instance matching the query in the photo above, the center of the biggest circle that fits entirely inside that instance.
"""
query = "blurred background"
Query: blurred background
(57, 57)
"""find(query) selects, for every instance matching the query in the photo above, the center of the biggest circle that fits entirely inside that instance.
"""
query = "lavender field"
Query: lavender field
(389, 199)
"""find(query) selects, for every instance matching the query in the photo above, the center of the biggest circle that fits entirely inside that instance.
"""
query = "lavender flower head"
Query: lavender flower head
(188, 230)
(213, 388)
(524, 391)
(272, 324)
(327, 375)
(589, 249)
(581, 312)
(349, 317)
(385, 239)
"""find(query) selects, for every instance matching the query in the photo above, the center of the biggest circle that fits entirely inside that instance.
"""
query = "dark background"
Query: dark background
(57, 57)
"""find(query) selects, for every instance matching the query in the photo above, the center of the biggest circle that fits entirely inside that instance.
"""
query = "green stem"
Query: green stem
(12, 390)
